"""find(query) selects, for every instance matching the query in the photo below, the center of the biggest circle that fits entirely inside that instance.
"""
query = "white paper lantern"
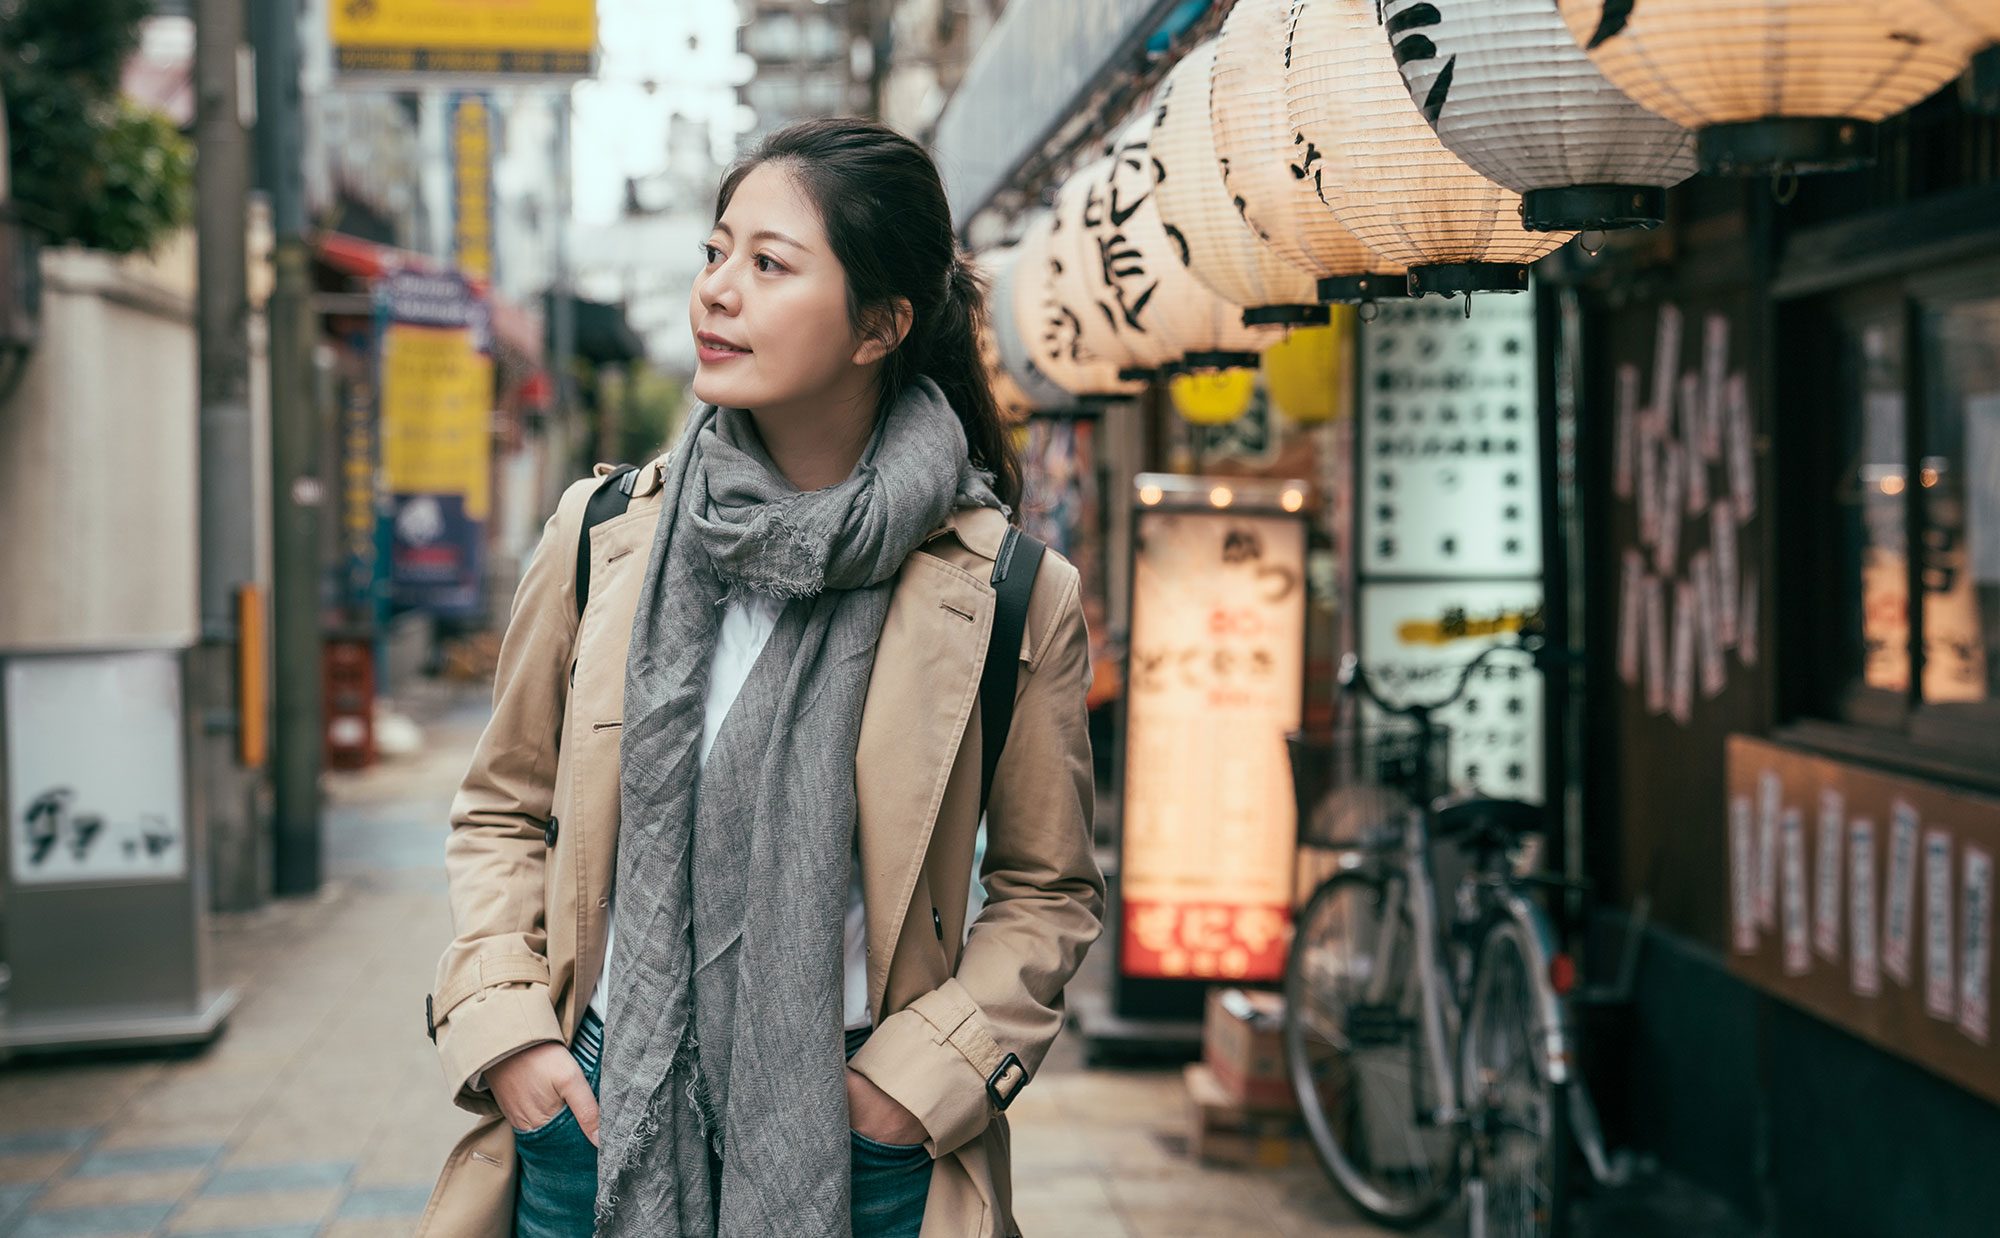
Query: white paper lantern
(1037, 392)
(1508, 91)
(1260, 166)
(1222, 252)
(1051, 329)
(1774, 85)
(1167, 318)
(1383, 171)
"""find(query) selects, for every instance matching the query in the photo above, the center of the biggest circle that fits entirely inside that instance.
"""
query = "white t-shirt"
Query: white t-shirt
(746, 625)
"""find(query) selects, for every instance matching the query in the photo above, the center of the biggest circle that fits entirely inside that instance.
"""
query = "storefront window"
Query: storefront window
(1959, 500)
(1879, 480)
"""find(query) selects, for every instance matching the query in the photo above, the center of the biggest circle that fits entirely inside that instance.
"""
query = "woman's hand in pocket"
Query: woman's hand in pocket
(533, 1087)
(876, 1114)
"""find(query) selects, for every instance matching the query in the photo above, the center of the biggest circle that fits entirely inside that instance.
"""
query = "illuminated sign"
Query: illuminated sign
(1217, 681)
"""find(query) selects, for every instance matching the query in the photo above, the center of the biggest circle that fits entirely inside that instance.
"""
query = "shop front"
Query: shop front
(1789, 477)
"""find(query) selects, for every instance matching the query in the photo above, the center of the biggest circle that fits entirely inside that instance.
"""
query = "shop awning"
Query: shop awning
(517, 328)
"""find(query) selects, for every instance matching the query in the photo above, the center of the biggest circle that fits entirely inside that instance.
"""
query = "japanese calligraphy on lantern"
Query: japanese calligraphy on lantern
(1217, 678)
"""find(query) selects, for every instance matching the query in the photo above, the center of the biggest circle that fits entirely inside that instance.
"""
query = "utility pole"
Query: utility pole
(228, 507)
(296, 486)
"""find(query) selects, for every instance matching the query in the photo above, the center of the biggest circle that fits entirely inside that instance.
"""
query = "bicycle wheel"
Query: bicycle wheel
(1519, 1119)
(1355, 1053)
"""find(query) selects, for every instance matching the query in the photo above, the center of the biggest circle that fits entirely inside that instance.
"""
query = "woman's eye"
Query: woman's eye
(768, 264)
(709, 253)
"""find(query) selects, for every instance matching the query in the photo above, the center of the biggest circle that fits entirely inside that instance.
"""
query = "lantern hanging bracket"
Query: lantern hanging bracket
(1287, 316)
(1786, 143)
(1361, 289)
(1576, 208)
(1450, 279)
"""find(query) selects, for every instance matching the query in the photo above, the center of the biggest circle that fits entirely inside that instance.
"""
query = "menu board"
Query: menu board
(1217, 681)
(1868, 900)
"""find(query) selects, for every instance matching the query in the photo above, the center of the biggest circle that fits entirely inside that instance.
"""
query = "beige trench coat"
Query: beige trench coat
(534, 827)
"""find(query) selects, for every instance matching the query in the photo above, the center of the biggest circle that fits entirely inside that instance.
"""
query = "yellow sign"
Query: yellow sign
(483, 38)
(1306, 374)
(437, 401)
(472, 186)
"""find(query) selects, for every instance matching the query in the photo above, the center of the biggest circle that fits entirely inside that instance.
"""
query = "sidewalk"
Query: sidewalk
(320, 1111)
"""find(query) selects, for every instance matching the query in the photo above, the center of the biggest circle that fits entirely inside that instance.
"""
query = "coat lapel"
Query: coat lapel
(920, 698)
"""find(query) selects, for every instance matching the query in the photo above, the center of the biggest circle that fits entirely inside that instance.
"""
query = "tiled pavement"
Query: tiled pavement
(320, 1111)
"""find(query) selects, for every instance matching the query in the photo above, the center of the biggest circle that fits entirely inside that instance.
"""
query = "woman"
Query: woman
(649, 990)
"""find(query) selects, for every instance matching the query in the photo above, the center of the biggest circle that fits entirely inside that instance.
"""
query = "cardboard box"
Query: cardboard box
(1221, 1131)
(1243, 1043)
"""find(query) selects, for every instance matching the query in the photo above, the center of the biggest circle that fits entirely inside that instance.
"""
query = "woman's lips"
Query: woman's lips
(712, 350)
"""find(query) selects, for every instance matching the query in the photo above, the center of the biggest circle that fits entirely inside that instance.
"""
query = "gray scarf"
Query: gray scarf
(723, 1094)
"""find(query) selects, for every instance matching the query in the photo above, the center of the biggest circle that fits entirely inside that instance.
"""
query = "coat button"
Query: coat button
(549, 831)
(937, 923)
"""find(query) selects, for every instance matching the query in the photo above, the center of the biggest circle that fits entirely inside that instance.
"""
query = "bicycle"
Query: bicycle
(1429, 1052)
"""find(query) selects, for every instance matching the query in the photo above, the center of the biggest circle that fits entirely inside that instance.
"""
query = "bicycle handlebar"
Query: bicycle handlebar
(1529, 638)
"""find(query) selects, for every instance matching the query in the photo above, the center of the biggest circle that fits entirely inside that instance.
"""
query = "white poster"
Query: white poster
(1722, 542)
(1682, 704)
(1714, 667)
(1216, 683)
(1742, 876)
(95, 788)
(1714, 375)
(1826, 879)
(1940, 978)
(1902, 892)
(1656, 647)
(1975, 943)
(1691, 454)
(1631, 617)
(1770, 808)
(1864, 976)
(1742, 464)
(1666, 361)
(1798, 952)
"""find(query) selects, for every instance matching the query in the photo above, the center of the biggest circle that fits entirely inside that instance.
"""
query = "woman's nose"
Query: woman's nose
(717, 288)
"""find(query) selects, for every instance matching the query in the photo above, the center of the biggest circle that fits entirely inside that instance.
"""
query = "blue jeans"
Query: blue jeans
(556, 1191)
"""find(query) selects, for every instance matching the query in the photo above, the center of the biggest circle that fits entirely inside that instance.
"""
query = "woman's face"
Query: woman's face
(769, 311)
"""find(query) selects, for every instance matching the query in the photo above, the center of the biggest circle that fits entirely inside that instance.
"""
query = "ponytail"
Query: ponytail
(949, 356)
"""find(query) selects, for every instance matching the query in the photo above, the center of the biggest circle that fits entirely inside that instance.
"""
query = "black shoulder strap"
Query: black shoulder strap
(1014, 571)
(611, 498)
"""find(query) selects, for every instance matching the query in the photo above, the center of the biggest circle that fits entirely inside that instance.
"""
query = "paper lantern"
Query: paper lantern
(1981, 88)
(1051, 329)
(1774, 85)
(1034, 390)
(1260, 168)
(1508, 91)
(1222, 252)
(1384, 173)
(1308, 376)
(1144, 294)
(1213, 399)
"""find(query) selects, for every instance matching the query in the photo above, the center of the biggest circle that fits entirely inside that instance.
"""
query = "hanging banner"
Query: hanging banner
(464, 38)
(436, 385)
(471, 127)
(1217, 681)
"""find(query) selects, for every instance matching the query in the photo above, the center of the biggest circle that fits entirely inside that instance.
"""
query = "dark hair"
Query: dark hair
(884, 209)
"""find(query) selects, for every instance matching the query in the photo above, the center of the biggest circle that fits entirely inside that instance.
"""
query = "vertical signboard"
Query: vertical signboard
(1217, 681)
(471, 121)
(436, 385)
(468, 38)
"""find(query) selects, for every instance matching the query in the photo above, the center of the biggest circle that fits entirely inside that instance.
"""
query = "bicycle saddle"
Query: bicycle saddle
(1469, 816)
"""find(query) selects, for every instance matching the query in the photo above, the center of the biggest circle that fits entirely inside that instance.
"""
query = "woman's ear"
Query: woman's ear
(884, 330)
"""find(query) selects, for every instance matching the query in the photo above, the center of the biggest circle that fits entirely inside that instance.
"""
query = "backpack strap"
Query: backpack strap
(612, 496)
(1014, 571)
